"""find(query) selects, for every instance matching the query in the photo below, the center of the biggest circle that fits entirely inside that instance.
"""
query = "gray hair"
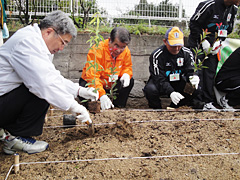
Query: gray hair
(121, 33)
(61, 23)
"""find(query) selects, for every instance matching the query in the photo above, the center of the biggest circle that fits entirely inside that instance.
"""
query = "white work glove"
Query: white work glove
(81, 113)
(125, 79)
(88, 93)
(5, 32)
(206, 45)
(106, 103)
(194, 80)
(216, 47)
(176, 97)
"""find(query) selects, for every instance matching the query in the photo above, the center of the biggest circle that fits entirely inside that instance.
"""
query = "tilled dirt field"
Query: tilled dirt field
(136, 143)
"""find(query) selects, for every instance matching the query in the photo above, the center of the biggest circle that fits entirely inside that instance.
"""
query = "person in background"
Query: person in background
(171, 66)
(217, 17)
(4, 33)
(228, 81)
(29, 82)
(111, 53)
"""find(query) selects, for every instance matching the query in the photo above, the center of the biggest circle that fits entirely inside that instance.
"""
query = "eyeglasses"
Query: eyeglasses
(64, 43)
(116, 46)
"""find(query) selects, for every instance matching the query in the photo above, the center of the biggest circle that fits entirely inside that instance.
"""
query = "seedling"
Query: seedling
(95, 39)
(112, 93)
(198, 64)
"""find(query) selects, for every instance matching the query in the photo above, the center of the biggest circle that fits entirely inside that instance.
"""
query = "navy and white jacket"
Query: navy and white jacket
(212, 15)
(162, 64)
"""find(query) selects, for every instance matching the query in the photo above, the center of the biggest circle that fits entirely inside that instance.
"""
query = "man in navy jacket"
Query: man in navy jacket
(217, 16)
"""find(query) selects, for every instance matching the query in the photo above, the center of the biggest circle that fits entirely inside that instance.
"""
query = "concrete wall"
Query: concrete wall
(71, 60)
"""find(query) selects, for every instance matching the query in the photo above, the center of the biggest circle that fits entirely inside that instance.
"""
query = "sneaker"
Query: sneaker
(224, 104)
(28, 145)
(210, 107)
(2, 134)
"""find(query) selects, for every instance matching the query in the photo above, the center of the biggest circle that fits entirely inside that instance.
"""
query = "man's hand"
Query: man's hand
(206, 46)
(88, 93)
(81, 112)
(216, 47)
(176, 97)
(106, 103)
(125, 79)
(194, 80)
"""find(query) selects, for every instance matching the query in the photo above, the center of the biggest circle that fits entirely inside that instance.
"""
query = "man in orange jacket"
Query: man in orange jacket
(111, 53)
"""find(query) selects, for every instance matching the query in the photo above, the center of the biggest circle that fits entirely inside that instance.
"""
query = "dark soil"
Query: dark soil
(136, 143)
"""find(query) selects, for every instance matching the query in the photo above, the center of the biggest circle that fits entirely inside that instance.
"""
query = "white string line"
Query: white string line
(147, 121)
(164, 110)
(81, 125)
(9, 172)
(155, 110)
(55, 116)
(55, 109)
(124, 158)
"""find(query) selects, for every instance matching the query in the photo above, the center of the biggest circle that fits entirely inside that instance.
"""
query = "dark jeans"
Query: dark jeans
(153, 93)
(22, 113)
(121, 93)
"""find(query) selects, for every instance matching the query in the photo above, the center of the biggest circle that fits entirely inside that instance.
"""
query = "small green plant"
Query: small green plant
(95, 38)
(112, 93)
(198, 64)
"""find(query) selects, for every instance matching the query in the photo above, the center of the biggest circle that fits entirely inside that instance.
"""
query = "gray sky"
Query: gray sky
(115, 7)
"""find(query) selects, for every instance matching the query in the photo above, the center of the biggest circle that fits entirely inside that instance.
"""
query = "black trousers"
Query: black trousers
(232, 87)
(207, 78)
(153, 93)
(22, 113)
(121, 93)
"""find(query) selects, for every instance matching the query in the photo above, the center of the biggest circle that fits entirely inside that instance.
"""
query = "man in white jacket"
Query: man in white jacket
(29, 82)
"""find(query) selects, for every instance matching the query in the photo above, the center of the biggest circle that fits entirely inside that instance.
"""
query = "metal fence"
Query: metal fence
(168, 10)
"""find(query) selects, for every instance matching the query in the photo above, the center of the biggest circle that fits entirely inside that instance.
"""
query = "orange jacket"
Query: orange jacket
(105, 61)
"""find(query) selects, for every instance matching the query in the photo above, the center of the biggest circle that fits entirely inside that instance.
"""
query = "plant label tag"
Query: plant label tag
(174, 77)
(113, 78)
(222, 33)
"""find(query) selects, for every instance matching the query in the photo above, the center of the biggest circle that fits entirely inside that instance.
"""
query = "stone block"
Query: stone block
(77, 62)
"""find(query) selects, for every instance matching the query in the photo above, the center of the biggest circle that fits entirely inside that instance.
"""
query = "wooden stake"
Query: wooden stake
(46, 118)
(16, 163)
(51, 110)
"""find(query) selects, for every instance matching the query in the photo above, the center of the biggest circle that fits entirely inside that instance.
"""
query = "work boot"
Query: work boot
(29, 145)
(224, 104)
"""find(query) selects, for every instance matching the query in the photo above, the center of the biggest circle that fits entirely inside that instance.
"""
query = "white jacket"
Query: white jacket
(25, 58)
